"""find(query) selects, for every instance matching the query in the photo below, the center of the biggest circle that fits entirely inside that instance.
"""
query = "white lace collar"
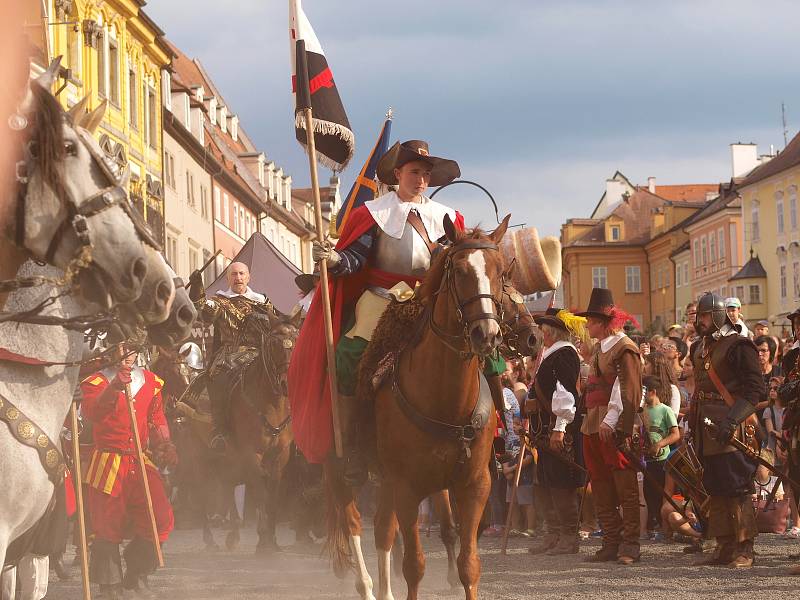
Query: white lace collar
(611, 341)
(249, 294)
(557, 346)
(391, 213)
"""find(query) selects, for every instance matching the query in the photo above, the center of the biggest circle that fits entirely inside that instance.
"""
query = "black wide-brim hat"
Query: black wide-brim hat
(601, 303)
(793, 315)
(550, 318)
(306, 282)
(443, 170)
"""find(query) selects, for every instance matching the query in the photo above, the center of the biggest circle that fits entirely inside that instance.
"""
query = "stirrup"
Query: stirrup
(219, 442)
(355, 470)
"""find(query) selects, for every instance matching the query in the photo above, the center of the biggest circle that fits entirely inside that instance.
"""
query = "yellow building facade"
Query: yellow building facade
(772, 230)
(113, 52)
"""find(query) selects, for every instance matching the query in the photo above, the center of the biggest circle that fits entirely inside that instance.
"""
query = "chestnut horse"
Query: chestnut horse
(434, 427)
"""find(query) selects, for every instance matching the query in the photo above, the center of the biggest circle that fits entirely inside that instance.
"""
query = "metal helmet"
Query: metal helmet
(714, 304)
(192, 356)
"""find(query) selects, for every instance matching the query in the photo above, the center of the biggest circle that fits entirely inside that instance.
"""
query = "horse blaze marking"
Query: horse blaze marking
(478, 262)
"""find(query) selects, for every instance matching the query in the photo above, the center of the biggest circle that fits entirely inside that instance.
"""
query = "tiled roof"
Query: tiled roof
(635, 214)
(716, 205)
(789, 157)
(692, 192)
(751, 269)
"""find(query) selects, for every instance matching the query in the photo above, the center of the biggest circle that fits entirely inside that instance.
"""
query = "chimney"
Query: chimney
(744, 158)
(651, 185)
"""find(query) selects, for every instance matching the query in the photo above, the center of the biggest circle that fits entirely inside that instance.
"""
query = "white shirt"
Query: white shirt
(675, 400)
(615, 403)
(305, 301)
(391, 213)
(249, 294)
(563, 402)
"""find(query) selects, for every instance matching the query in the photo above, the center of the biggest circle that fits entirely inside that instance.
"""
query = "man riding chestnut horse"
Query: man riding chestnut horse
(384, 250)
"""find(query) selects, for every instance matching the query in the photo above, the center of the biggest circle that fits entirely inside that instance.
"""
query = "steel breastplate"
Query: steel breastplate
(408, 255)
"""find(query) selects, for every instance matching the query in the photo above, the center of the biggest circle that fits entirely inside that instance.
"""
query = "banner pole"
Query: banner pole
(304, 105)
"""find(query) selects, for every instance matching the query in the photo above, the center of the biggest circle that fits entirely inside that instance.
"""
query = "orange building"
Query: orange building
(627, 246)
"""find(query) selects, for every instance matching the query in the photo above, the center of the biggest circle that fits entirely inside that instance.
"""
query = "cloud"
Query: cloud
(539, 101)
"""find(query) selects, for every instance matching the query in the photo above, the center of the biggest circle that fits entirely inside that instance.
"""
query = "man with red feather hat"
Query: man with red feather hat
(613, 396)
(384, 249)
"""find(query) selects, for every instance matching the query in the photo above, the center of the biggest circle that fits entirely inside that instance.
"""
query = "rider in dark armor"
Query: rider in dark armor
(233, 348)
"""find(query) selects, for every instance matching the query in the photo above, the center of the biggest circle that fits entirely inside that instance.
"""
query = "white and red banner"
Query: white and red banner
(333, 138)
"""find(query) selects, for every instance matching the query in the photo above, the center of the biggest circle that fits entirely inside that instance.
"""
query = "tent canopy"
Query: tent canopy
(271, 273)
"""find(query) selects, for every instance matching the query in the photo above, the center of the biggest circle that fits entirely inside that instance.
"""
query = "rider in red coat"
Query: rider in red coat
(117, 501)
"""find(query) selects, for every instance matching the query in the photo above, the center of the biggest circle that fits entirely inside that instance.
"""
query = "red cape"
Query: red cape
(309, 389)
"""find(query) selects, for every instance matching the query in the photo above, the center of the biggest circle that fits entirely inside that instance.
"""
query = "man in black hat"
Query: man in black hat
(384, 249)
(613, 395)
(555, 391)
(728, 385)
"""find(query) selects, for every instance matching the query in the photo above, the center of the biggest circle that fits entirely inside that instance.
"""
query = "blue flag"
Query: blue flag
(364, 186)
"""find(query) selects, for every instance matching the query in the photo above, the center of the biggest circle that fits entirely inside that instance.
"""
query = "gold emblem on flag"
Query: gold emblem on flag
(25, 430)
(42, 440)
(12, 414)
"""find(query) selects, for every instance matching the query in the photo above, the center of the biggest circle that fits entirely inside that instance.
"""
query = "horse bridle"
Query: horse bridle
(448, 283)
(78, 214)
(512, 331)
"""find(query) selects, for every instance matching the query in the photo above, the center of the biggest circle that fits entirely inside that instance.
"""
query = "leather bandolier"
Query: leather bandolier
(709, 403)
(731, 516)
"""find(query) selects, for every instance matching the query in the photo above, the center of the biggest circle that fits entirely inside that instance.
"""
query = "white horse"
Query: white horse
(69, 199)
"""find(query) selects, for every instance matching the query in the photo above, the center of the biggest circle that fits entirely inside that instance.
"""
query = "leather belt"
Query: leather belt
(28, 433)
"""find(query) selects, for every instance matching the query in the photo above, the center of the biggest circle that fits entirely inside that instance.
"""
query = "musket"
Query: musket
(205, 265)
(748, 451)
(544, 447)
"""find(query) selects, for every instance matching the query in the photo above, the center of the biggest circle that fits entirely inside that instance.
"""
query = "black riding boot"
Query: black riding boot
(140, 561)
(105, 568)
(355, 464)
(218, 393)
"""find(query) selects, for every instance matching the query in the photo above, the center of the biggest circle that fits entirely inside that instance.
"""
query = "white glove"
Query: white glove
(323, 251)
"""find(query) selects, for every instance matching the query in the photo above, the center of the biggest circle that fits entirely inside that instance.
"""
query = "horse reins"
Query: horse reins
(448, 283)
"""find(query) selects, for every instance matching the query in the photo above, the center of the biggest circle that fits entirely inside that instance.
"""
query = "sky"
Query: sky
(539, 101)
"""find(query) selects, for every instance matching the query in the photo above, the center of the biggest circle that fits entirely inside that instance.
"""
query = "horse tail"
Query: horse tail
(337, 546)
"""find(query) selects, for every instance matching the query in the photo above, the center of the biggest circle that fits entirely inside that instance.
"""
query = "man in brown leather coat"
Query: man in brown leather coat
(728, 385)
(613, 395)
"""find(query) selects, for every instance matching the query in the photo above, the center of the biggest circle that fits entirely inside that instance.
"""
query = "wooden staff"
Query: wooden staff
(304, 105)
(513, 499)
(77, 479)
(143, 470)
